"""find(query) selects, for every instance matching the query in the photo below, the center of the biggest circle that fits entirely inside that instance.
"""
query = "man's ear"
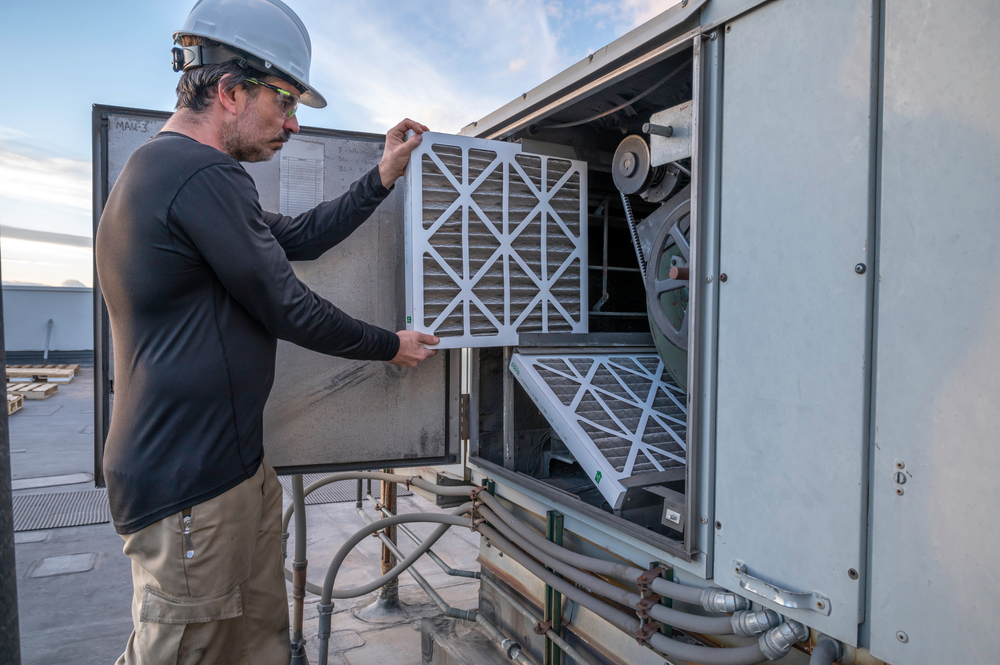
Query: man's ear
(232, 99)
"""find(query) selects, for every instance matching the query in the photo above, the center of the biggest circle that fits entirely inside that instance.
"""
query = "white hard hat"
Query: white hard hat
(265, 33)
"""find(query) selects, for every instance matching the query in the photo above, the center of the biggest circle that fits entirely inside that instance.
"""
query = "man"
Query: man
(199, 287)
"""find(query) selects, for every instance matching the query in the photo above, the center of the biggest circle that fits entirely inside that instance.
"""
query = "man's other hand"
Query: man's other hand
(398, 149)
(412, 349)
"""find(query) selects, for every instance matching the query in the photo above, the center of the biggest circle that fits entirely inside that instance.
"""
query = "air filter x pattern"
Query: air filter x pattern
(620, 415)
(496, 242)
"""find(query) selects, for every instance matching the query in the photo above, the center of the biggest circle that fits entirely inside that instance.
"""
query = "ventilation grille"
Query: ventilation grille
(496, 242)
(620, 415)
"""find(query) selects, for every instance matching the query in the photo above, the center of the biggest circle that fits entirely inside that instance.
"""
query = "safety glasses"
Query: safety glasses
(288, 102)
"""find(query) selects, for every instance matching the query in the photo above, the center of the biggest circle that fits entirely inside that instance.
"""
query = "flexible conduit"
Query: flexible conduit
(747, 655)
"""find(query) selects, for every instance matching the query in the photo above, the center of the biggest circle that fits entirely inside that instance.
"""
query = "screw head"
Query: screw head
(684, 3)
(860, 268)
(718, 525)
(708, 279)
(713, 36)
(723, 277)
(853, 574)
(902, 637)
(704, 519)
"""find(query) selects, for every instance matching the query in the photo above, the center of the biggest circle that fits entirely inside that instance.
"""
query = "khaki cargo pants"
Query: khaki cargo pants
(226, 603)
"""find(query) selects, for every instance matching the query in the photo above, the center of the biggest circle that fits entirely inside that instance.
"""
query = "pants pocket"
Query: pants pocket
(159, 607)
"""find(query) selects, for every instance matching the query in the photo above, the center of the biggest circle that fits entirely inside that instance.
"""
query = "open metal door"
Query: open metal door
(324, 413)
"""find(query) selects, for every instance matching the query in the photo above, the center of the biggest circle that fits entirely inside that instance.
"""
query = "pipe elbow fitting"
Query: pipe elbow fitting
(826, 651)
(725, 602)
(750, 624)
(778, 641)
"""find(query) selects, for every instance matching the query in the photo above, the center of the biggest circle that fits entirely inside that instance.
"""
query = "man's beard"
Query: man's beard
(241, 137)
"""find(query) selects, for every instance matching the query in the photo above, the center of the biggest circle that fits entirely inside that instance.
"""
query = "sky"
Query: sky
(444, 63)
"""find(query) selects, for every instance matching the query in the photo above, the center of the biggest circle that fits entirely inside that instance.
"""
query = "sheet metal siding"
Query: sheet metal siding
(934, 548)
(327, 412)
(793, 328)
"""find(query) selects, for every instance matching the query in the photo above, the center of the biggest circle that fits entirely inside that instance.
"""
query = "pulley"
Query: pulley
(631, 165)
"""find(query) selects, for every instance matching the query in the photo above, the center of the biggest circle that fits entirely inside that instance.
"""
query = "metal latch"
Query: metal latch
(796, 600)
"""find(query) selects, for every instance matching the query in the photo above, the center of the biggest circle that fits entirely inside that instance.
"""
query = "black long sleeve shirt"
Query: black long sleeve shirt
(197, 281)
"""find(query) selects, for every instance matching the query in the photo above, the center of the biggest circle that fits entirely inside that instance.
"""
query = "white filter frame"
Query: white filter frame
(418, 244)
(565, 420)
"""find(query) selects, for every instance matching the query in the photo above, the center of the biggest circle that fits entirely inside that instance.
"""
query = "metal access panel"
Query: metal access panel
(620, 415)
(793, 343)
(496, 242)
(935, 489)
(324, 413)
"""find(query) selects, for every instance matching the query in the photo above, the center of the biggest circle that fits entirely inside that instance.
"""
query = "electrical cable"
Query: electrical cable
(567, 125)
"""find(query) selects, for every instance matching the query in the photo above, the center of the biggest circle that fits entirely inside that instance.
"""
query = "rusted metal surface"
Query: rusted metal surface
(390, 592)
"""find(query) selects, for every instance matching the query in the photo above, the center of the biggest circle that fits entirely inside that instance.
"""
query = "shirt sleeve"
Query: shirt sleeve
(312, 233)
(218, 214)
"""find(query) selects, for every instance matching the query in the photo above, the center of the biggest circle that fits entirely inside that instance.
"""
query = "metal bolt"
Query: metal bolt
(860, 268)
(590, 58)
(704, 519)
(902, 637)
(684, 3)
(708, 279)
(723, 277)
(899, 491)
(853, 574)
(713, 36)
(524, 95)
(718, 525)
(900, 478)
(900, 465)
(729, 29)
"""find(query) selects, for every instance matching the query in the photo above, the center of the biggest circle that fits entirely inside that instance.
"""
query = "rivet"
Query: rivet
(704, 519)
(729, 29)
(860, 268)
(713, 36)
(853, 574)
(718, 525)
(899, 491)
(723, 277)
(902, 637)
(708, 279)
(899, 464)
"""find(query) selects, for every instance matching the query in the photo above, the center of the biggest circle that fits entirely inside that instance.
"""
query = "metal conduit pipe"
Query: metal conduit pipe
(446, 609)
(530, 616)
(454, 490)
(747, 655)
(826, 652)
(511, 648)
(299, 564)
(454, 572)
(667, 615)
(712, 599)
(326, 597)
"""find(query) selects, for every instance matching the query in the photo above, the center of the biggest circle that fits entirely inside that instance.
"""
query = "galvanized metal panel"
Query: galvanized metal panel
(935, 545)
(324, 412)
(793, 326)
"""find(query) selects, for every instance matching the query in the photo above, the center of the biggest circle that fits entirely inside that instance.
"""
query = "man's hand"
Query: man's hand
(412, 349)
(398, 149)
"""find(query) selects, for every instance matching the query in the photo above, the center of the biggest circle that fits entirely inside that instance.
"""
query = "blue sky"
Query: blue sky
(442, 62)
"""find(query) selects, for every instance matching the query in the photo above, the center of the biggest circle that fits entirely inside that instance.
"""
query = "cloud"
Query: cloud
(46, 180)
(444, 64)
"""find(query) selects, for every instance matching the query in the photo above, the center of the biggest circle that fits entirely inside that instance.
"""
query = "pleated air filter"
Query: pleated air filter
(620, 415)
(496, 242)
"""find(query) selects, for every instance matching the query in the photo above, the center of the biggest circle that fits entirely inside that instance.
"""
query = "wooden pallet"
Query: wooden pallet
(36, 373)
(14, 403)
(33, 390)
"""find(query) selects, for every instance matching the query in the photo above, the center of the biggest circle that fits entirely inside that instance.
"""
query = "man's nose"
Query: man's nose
(292, 125)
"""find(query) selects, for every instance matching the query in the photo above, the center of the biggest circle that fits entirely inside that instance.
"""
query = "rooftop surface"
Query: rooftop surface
(77, 609)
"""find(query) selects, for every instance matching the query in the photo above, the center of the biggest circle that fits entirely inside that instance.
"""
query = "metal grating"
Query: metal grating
(496, 242)
(338, 492)
(60, 509)
(620, 415)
